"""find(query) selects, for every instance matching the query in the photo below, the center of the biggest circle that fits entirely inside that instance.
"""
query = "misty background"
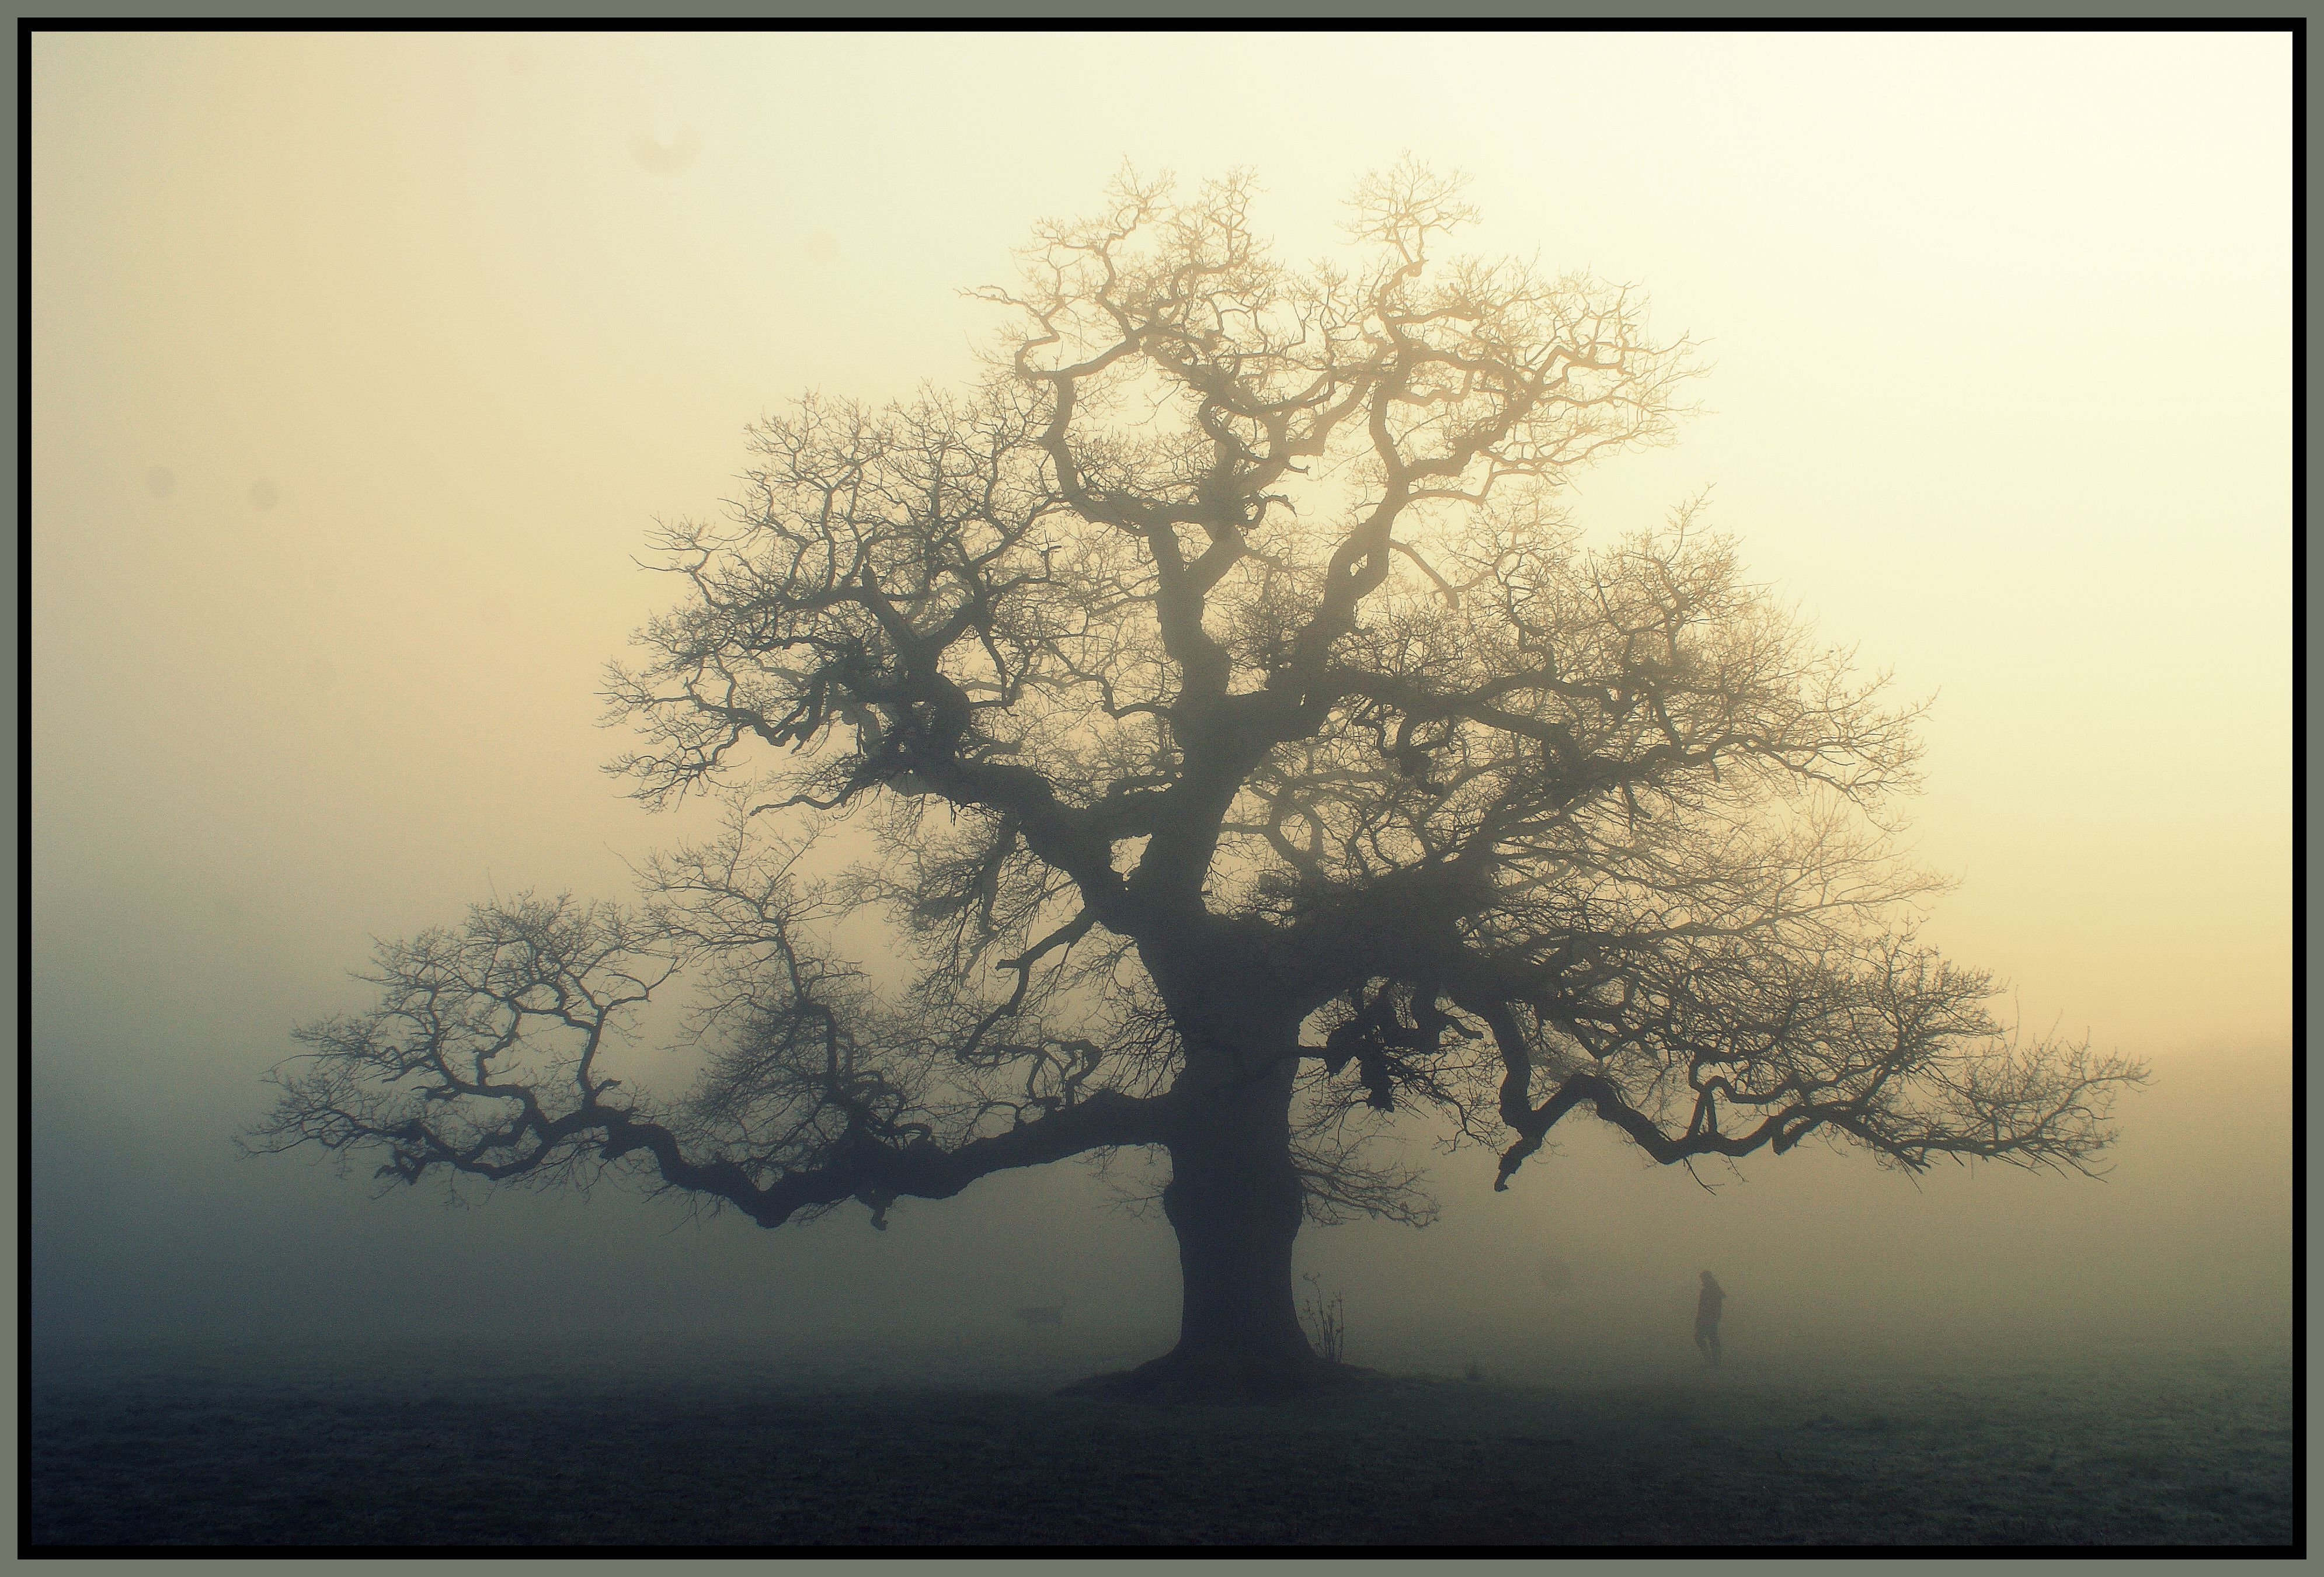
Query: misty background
(362, 362)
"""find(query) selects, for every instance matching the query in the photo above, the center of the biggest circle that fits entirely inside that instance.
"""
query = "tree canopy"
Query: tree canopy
(1237, 719)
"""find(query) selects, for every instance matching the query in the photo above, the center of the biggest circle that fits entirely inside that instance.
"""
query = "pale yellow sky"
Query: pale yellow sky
(2001, 328)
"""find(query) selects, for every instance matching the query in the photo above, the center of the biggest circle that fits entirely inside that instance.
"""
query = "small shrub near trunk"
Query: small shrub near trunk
(1326, 1323)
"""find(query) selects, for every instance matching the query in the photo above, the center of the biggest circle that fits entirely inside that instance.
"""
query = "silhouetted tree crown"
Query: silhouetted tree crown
(1252, 750)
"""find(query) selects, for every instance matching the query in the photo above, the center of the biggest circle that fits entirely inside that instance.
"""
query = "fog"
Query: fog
(362, 363)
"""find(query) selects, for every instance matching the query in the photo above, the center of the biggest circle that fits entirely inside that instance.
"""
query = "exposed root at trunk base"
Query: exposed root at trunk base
(1215, 1377)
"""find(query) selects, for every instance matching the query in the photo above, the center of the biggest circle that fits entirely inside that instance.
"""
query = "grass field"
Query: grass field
(656, 1446)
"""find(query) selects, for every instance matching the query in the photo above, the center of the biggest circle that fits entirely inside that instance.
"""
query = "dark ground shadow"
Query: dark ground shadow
(412, 1450)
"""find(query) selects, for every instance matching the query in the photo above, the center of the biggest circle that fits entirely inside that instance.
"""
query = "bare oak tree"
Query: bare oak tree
(1251, 751)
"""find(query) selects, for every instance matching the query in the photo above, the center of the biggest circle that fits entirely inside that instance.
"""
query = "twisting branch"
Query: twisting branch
(479, 1059)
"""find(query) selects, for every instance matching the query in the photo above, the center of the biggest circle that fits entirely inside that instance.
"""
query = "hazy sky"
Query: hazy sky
(362, 362)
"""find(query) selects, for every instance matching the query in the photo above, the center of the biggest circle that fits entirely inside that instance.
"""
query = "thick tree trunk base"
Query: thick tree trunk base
(1217, 1377)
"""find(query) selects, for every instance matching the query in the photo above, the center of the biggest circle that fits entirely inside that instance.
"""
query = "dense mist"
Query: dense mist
(1586, 1268)
(360, 365)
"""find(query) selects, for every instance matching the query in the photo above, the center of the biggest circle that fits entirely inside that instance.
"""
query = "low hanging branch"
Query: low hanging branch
(481, 1060)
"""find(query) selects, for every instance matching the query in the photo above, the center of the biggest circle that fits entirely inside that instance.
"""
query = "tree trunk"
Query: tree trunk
(1234, 1200)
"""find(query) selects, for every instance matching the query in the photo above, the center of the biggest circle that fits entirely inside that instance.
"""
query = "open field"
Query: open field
(647, 1445)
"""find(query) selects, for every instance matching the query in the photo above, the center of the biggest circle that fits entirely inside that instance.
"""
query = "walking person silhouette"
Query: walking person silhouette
(1706, 1317)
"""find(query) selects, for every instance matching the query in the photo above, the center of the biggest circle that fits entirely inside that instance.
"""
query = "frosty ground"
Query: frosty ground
(677, 1443)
